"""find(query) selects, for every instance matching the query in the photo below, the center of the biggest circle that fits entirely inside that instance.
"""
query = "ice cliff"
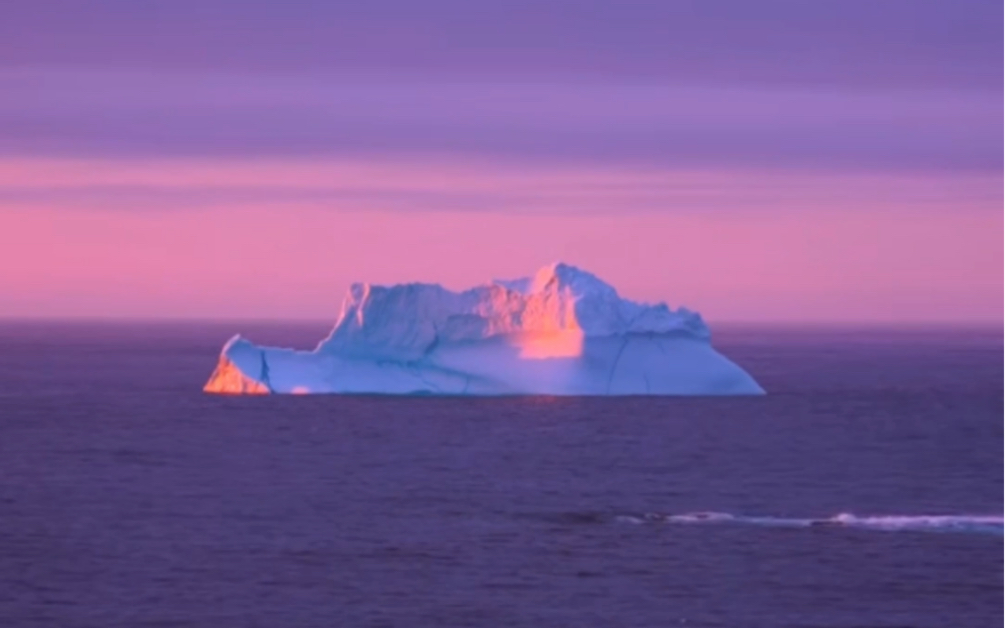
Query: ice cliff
(561, 331)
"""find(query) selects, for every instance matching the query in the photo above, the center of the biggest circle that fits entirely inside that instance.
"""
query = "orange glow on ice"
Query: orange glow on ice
(553, 344)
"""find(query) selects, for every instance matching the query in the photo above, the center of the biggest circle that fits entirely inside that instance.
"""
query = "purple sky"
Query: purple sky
(808, 111)
(863, 43)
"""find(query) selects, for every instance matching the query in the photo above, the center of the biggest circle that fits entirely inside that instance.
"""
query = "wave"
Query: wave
(986, 524)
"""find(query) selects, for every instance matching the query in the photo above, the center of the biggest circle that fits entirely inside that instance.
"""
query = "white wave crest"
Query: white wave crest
(988, 524)
(978, 523)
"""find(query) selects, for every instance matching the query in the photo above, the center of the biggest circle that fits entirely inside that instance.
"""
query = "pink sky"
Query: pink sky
(283, 239)
(826, 161)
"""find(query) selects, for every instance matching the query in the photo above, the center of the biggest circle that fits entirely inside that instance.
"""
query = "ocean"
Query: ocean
(865, 490)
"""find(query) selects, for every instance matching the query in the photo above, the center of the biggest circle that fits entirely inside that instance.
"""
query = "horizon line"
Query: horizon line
(997, 325)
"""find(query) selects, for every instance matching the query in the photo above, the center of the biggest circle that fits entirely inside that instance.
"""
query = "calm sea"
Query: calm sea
(864, 490)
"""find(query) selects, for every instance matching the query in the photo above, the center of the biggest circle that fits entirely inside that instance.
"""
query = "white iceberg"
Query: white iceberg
(562, 331)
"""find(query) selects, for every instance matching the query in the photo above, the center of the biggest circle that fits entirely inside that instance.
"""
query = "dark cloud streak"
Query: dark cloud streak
(138, 114)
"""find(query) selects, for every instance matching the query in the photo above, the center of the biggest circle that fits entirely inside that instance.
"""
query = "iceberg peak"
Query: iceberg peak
(557, 277)
(404, 320)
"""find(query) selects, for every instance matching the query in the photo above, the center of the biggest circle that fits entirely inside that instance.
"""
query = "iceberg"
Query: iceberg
(561, 331)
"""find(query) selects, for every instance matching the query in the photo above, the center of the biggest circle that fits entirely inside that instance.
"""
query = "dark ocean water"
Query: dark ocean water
(129, 498)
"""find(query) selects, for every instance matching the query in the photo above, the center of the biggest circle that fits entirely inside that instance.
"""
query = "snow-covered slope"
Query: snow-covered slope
(561, 331)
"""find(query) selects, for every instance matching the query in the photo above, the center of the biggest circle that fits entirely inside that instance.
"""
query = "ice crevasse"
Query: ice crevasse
(561, 331)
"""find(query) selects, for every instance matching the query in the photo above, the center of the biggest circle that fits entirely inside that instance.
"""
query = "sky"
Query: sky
(755, 160)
